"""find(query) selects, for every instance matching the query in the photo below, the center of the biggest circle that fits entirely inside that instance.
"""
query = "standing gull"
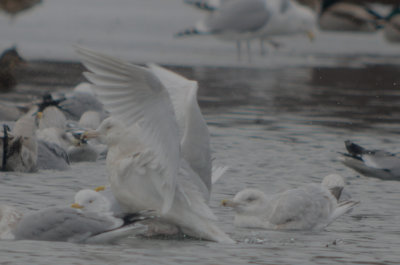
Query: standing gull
(308, 207)
(234, 20)
(144, 160)
(239, 20)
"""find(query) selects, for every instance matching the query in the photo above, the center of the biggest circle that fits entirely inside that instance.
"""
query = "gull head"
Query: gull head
(334, 183)
(306, 20)
(247, 201)
(90, 200)
(333, 180)
(109, 131)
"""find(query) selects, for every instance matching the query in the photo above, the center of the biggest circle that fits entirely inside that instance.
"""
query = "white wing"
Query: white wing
(133, 94)
(193, 130)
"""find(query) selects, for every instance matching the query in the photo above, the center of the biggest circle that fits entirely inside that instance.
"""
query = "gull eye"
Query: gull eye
(251, 199)
(90, 201)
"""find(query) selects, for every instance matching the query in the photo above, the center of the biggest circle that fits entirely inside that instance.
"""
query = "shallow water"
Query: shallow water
(278, 122)
(275, 129)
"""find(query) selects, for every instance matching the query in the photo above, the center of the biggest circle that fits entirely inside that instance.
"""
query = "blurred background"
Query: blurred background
(143, 31)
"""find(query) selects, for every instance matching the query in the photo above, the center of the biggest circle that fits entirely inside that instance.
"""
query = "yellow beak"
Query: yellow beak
(39, 115)
(100, 188)
(311, 35)
(76, 142)
(76, 206)
(228, 203)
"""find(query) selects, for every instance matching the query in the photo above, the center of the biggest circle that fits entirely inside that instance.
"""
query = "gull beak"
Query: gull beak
(100, 188)
(76, 206)
(310, 35)
(39, 115)
(76, 142)
(228, 203)
(90, 134)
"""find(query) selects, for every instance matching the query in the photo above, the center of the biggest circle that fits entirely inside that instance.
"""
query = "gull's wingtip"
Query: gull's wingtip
(217, 173)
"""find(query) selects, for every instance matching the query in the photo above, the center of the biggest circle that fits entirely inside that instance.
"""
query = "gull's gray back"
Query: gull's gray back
(301, 208)
(63, 224)
(239, 16)
(51, 156)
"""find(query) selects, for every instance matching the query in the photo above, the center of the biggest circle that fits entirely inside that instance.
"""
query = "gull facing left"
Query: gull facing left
(147, 170)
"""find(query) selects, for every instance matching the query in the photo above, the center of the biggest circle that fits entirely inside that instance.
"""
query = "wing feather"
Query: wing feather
(139, 98)
(193, 130)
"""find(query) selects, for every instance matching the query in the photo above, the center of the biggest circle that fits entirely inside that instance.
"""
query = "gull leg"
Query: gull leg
(262, 47)
(248, 50)
(238, 49)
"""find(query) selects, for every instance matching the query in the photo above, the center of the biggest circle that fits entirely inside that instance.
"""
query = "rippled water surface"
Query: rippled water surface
(278, 122)
(276, 129)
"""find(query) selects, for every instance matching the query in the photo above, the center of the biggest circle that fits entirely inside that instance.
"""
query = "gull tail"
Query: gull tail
(200, 28)
(207, 230)
(342, 208)
(190, 32)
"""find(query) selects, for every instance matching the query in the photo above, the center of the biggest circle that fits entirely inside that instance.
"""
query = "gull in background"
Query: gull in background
(373, 163)
(346, 16)
(392, 27)
(19, 147)
(244, 20)
(312, 206)
(147, 169)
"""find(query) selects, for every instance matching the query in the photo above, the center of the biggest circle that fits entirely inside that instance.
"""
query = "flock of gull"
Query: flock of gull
(146, 122)
(244, 21)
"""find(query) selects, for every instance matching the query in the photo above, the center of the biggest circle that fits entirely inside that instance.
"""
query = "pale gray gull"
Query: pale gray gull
(372, 163)
(79, 102)
(54, 129)
(239, 20)
(119, 210)
(146, 167)
(88, 220)
(308, 207)
(19, 147)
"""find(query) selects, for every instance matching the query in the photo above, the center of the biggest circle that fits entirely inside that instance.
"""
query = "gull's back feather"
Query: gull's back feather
(133, 94)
